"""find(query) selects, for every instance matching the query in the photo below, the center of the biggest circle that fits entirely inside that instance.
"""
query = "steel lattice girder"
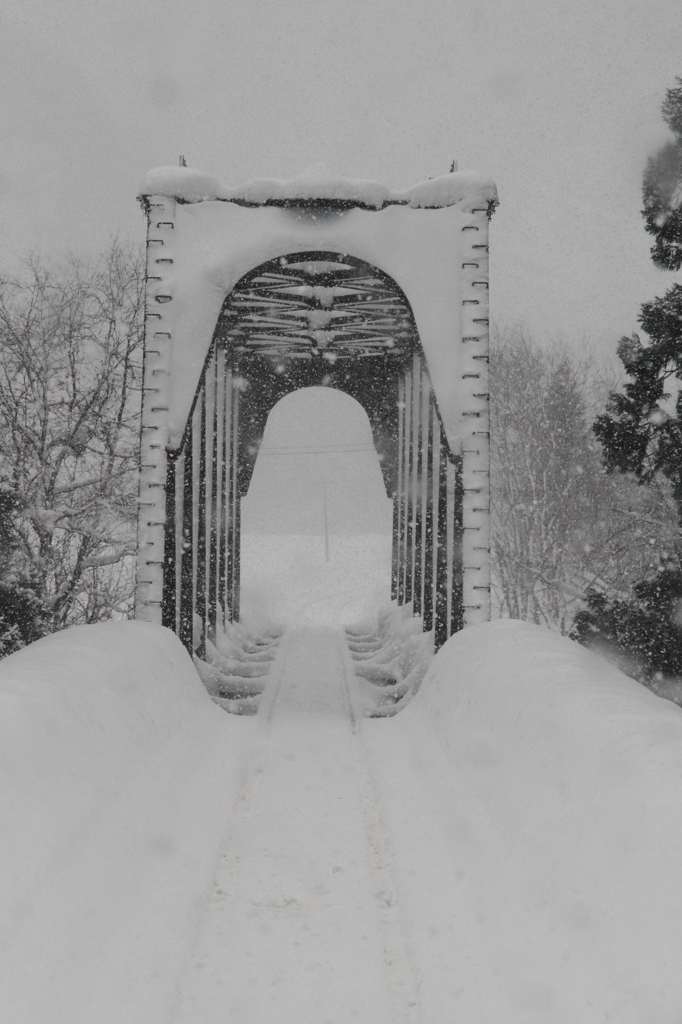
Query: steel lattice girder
(317, 304)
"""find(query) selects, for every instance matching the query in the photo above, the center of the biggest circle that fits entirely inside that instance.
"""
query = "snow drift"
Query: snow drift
(549, 786)
(530, 793)
(112, 761)
(391, 658)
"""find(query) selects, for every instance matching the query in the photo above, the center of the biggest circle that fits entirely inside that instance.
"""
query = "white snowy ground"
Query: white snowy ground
(285, 577)
(504, 851)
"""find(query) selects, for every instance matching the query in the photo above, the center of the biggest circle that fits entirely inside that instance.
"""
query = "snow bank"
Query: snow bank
(111, 763)
(236, 668)
(556, 894)
(317, 183)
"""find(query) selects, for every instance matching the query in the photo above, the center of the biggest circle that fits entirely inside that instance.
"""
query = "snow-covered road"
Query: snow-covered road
(505, 850)
(303, 925)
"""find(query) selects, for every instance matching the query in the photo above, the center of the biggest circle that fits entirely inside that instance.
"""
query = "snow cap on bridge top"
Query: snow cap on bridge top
(318, 184)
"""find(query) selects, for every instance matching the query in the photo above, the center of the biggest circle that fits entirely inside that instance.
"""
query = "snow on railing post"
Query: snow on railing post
(475, 413)
(155, 404)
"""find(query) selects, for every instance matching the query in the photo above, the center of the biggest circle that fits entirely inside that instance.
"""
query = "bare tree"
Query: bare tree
(70, 369)
(561, 525)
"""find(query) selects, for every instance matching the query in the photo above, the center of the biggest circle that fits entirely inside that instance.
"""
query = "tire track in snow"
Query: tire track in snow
(235, 839)
(254, 770)
(401, 969)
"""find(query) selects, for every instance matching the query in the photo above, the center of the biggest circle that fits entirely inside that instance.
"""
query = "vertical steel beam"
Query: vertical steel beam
(456, 564)
(237, 564)
(169, 609)
(404, 528)
(219, 507)
(236, 501)
(196, 488)
(423, 487)
(475, 419)
(400, 538)
(179, 526)
(450, 502)
(416, 484)
(158, 327)
(413, 454)
(225, 541)
(187, 564)
(211, 495)
(395, 541)
(441, 544)
(407, 487)
(230, 479)
(429, 537)
(201, 509)
(397, 498)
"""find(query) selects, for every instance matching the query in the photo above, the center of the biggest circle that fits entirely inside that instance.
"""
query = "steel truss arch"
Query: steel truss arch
(306, 319)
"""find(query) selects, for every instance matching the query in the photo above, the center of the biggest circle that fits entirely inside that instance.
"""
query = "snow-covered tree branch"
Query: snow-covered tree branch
(561, 525)
(70, 366)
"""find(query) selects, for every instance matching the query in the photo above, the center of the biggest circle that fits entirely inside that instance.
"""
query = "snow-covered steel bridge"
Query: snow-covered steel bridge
(257, 291)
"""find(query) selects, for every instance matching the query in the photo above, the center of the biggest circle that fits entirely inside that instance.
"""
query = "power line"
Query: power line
(317, 451)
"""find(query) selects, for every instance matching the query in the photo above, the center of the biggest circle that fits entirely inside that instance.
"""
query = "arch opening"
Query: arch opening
(316, 520)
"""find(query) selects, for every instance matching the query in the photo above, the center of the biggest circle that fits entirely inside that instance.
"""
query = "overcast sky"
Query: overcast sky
(557, 100)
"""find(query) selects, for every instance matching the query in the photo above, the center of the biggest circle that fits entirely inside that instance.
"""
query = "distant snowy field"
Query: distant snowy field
(285, 577)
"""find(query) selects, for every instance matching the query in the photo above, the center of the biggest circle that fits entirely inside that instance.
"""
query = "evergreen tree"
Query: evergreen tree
(662, 188)
(638, 432)
(641, 430)
(643, 633)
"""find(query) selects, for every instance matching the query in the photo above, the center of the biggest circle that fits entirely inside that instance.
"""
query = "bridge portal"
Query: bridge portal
(256, 292)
